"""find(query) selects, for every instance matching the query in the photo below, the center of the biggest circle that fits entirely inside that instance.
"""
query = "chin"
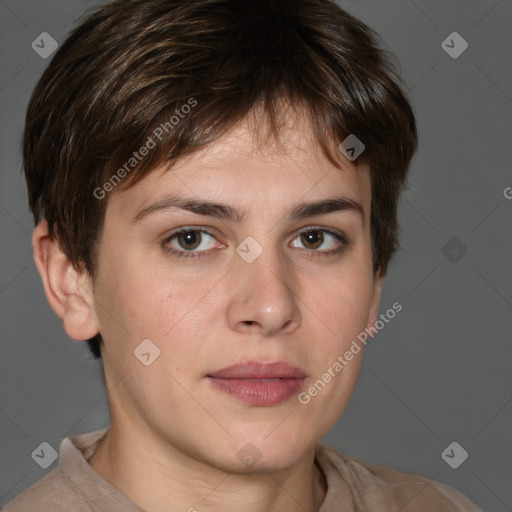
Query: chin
(260, 454)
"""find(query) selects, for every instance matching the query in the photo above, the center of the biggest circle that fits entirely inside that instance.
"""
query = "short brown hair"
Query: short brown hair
(132, 65)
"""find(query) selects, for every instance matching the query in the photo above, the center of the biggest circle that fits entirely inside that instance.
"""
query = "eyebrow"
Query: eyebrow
(226, 212)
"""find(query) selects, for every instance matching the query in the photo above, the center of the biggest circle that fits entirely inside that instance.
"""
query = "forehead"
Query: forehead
(247, 168)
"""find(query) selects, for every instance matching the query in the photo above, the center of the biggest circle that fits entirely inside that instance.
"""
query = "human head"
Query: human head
(134, 67)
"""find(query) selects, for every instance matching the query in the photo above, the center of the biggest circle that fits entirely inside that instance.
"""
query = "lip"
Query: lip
(259, 370)
(257, 383)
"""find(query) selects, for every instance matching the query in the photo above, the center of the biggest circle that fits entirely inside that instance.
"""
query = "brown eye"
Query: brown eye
(183, 243)
(330, 242)
(189, 240)
(312, 238)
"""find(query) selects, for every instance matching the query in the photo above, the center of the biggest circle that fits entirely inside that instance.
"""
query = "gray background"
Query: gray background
(438, 372)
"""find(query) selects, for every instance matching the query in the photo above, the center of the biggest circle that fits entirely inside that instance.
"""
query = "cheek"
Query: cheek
(342, 308)
(128, 298)
(343, 305)
(176, 312)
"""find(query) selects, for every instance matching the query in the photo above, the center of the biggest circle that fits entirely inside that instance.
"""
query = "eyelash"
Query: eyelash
(190, 254)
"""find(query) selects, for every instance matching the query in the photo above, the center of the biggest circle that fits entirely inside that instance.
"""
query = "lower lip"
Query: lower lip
(258, 392)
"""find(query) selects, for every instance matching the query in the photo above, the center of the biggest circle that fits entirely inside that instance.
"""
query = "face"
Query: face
(260, 281)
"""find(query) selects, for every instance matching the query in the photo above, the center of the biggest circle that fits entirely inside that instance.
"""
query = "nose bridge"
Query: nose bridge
(262, 296)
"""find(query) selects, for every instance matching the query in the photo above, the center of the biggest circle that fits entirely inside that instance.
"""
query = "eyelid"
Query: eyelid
(339, 236)
(336, 234)
(201, 229)
(333, 231)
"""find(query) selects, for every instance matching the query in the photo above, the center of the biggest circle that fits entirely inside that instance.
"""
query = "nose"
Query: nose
(262, 299)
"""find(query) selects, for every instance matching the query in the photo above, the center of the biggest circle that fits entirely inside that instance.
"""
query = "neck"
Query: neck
(169, 480)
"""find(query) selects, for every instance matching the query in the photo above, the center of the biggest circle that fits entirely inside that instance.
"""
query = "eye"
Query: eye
(314, 238)
(194, 242)
(183, 243)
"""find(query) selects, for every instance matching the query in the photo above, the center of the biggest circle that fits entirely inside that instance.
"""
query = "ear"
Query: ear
(374, 307)
(68, 290)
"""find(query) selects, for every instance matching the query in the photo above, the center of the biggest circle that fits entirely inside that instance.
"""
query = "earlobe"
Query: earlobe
(68, 291)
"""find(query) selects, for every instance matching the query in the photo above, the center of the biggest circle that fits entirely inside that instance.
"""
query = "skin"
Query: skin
(174, 439)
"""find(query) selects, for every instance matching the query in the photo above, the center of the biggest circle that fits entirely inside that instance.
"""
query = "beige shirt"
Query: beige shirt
(73, 486)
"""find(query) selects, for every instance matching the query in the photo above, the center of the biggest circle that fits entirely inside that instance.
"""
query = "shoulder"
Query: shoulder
(52, 493)
(412, 491)
(376, 487)
(70, 485)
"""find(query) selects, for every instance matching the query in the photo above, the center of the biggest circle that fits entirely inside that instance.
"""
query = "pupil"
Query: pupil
(189, 238)
(313, 238)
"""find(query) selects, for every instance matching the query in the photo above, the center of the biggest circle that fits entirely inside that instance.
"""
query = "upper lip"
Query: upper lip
(259, 370)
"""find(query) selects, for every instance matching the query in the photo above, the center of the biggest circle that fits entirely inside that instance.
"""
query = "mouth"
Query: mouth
(259, 384)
